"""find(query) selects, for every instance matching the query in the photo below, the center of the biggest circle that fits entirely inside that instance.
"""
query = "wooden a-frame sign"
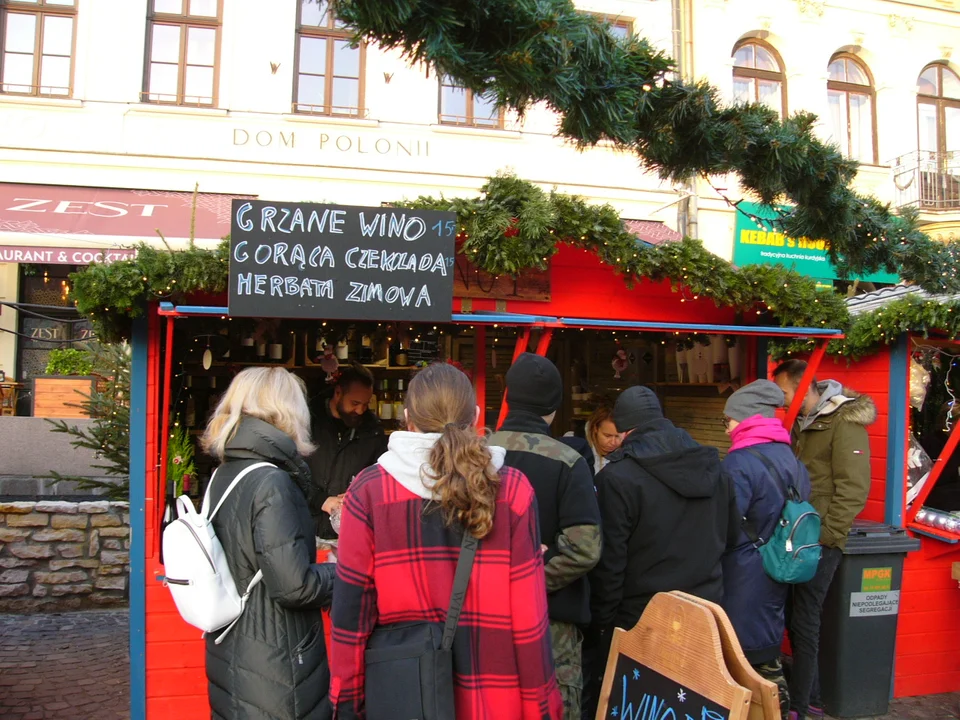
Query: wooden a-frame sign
(673, 666)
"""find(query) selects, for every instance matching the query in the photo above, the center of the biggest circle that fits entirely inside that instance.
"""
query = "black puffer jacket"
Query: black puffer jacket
(273, 664)
(341, 454)
(668, 515)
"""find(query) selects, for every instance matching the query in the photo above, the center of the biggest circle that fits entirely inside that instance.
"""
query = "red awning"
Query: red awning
(68, 219)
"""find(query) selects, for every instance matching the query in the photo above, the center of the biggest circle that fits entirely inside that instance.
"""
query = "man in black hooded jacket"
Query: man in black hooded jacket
(667, 516)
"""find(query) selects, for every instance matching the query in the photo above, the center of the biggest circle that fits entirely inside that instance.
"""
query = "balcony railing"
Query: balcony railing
(927, 180)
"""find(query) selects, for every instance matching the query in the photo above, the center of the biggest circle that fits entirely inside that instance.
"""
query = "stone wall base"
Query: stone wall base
(59, 555)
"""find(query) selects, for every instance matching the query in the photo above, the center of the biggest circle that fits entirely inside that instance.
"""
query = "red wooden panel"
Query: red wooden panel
(927, 684)
(176, 682)
(171, 627)
(922, 664)
(583, 287)
(931, 620)
(182, 707)
(917, 601)
(929, 643)
(873, 510)
(922, 579)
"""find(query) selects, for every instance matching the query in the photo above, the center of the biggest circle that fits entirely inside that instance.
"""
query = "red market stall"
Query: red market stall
(915, 481)
(603, 336)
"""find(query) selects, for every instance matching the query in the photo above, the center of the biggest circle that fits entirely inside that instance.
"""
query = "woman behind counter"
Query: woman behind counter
(273, 664)
(600, 439)
(400, 539)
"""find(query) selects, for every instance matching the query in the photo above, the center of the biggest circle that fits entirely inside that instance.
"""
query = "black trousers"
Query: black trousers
(803, 625)
(596, 647)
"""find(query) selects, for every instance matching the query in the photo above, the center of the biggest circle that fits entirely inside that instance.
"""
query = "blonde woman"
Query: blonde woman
(273, 664)
(402, 527)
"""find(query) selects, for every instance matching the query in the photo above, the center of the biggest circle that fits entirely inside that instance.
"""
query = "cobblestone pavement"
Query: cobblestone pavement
(69, 666)
(75, 666)
(928, 707)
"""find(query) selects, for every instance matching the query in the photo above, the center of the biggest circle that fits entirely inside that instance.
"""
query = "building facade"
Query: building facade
(113, 111)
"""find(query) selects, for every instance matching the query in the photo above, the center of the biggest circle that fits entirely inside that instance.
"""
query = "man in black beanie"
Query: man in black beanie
(667, 515)
(569, 517)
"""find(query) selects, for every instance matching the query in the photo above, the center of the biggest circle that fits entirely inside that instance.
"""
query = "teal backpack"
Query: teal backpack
(792, 554)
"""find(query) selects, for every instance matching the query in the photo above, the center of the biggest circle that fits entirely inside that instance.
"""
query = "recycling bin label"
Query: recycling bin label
(876, 579)
(874, 604)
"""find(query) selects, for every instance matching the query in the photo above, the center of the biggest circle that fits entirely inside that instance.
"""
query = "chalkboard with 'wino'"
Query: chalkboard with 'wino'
(308, 260)
(639, 693)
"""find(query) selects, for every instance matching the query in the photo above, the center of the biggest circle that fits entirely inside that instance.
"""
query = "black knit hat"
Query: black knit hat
(534, 384)
(635, 406)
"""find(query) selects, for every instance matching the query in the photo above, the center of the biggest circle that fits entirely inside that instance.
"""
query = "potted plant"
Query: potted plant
(68, 381)
(181, 470)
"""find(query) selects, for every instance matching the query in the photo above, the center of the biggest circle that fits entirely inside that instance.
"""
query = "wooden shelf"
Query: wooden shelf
(289, 365)
(688, 385)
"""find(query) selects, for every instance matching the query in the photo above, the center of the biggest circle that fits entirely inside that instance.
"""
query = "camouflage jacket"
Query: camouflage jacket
(567, 508)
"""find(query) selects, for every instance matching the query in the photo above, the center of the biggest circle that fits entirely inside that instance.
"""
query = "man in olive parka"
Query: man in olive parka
(830, 438)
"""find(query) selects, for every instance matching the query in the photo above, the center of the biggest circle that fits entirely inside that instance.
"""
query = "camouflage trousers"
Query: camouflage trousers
(773, 671)
(567, 641)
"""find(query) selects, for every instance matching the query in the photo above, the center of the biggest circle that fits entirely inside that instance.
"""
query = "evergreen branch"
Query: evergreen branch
(626, 92)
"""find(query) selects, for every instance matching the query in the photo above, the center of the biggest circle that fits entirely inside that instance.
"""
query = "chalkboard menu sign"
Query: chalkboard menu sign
(672, 665)
(306, 260)
(639, 693)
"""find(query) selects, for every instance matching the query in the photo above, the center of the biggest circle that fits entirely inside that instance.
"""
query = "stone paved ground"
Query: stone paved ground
(929, 707)
(70, 666)
(75, 666)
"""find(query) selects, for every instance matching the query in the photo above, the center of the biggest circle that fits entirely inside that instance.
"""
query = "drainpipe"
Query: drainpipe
(683, 55)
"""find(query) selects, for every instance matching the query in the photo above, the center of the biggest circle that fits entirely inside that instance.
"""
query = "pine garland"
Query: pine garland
(112, 295)
(515, 226)
(626, 92)
(882, 327)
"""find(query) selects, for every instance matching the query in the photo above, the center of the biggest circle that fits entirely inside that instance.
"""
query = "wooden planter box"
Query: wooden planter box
(56, 396)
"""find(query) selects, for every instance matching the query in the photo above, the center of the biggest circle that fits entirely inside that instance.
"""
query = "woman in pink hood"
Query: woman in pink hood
(760, 466)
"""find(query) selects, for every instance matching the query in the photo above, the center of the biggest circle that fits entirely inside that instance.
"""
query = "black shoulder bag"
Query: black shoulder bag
(410, 665)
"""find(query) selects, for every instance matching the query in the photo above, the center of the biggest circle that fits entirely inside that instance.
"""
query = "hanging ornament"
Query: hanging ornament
(620, 362)
(919, 383)
(329, 364)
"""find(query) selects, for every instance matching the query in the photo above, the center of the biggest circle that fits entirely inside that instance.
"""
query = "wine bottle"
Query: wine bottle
(386, 402)
(398, 402)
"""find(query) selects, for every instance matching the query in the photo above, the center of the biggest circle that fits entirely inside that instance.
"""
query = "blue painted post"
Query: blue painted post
(897, 432)
(138, 494)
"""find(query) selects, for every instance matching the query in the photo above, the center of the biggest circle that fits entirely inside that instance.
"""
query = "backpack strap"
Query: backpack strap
(789, 491)
(240, 476)
(468, 551)
(243, 604)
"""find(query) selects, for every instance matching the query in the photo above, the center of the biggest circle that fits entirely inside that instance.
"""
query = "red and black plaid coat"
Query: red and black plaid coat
(396, 564)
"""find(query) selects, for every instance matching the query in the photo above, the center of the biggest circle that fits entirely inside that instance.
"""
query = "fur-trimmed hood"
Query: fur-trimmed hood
(844, 404)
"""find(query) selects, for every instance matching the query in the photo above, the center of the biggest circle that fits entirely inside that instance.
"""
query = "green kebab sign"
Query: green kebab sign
(760, 246)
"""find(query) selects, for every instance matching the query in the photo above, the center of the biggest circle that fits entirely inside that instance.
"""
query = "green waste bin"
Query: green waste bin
(858, 634)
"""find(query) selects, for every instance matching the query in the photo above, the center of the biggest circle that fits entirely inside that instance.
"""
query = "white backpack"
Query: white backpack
(196, 568)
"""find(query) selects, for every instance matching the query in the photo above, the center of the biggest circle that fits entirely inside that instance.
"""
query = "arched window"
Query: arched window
(850, 95)
(758, 75)
(938, 110)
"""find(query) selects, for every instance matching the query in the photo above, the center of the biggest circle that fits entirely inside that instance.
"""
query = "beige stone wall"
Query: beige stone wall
(63, 555)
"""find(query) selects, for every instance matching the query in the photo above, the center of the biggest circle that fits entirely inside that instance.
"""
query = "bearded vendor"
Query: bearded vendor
(348, 437)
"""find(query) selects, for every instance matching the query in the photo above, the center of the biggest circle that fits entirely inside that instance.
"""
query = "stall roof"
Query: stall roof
(506, 318)
(868, 302)
(652, 232)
